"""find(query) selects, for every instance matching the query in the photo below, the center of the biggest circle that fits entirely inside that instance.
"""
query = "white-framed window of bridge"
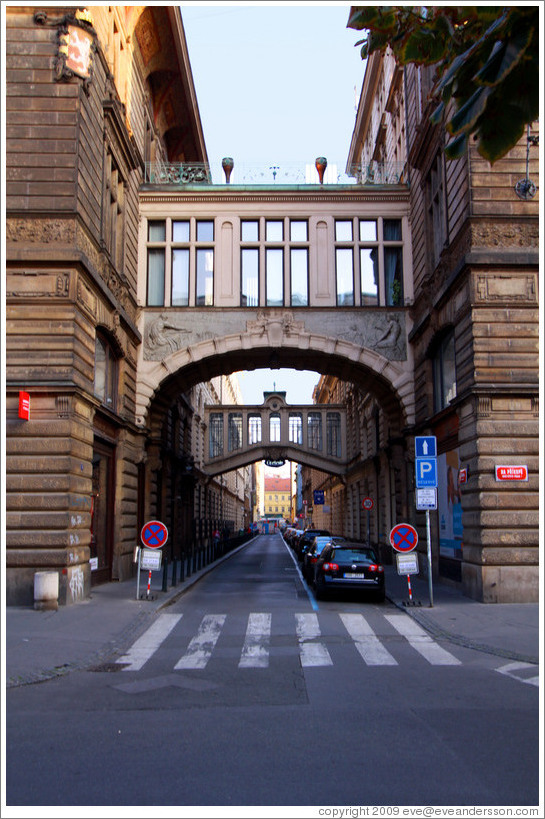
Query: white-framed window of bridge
(314, 431)
(254, 429)
(295, 428)
(377, 244)
(234, 431)
(216, 434)
(180, 252)
(333, 434)
(274, 427)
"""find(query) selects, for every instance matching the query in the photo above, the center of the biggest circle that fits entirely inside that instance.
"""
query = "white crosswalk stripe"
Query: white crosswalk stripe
(365, 640)
(202, 645)
(311, 643)
(255, 651)
(311, 653)
(149, 642)
(421, 640)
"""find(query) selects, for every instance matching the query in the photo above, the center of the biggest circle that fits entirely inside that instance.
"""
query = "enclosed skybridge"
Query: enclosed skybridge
(275, 432)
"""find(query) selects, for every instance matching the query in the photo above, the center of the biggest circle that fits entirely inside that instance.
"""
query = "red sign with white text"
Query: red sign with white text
(24, 406)
(512, 473)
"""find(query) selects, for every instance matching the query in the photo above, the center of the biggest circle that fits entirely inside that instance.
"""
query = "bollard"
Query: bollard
(165, 576)
(174, 571)
(46, 591)
(182, 564)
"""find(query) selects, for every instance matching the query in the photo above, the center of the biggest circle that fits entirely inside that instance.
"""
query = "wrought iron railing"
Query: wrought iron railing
(283, 173)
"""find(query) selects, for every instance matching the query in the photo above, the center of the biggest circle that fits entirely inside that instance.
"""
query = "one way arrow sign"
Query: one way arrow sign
(425, 446)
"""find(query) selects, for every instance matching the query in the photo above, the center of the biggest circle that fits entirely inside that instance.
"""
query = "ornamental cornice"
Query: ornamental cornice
(315, 197)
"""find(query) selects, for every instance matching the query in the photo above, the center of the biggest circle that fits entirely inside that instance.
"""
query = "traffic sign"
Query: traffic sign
(404, 537)
(425, 446)
(512, 473)
(319, 497)
(407, 563)
(426, 472)
(426, 498)
(154, 534)
(367, 503)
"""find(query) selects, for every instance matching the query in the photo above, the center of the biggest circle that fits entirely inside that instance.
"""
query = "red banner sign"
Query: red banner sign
(24, 406)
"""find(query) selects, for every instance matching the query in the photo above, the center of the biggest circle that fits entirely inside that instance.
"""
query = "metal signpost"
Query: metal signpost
(425, 450)
(154, 535)
(367, 504)
(404, 539)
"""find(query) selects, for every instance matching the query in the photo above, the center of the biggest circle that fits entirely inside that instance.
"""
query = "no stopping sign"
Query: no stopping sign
(404, 537)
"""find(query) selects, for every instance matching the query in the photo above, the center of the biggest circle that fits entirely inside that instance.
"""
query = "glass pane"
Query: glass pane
(393, 274)
(274, 231)
(296, 427)
(345, 277)
(205, 278)
(333, 422)
(299, 231)
(156, 278)
(180, 277)
(205, 231)
(250, 231)
(250, 278)
(368, 231)
(180, 231)
(392, 230)
(299, 277)
(100, 369)
(156, 231)
(314, 436)
(343, 231)
(274, 427)
(449, 370)
(254, 429)
(275, 278)
(216, 434)
(369, 275)
(234, 431)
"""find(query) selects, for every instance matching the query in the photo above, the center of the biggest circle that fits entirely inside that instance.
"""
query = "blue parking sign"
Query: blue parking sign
(426, 472)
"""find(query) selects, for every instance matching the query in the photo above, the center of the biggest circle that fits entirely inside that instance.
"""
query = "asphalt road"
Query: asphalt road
(248, 692)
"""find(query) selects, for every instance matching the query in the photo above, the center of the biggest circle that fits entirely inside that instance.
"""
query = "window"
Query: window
(180, 277)
(114, 213)
(250, 277)
(274, 427)
(435, 192)
(216, 434)
(234, 431)
(345, 276)
(254, 429)
(299, 277)
(295, 423)
(444, 372)
(205, 277)
(105, 386)
(333, 427)
(274, 231)
(393, 262)
(249, 231)
(275, 277)
(156, 264)
(315, 431)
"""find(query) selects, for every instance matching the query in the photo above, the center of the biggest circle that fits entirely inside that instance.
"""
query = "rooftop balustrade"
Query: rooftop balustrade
(245, 174)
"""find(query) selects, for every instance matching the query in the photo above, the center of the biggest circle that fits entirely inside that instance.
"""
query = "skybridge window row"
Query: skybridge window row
(262, 262)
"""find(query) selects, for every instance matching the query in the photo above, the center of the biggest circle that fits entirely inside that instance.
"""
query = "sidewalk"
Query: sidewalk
(41, 645)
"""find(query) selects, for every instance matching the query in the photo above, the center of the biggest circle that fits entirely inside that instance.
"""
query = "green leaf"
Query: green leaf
(457, 146)
(465, 118)
(504, 57)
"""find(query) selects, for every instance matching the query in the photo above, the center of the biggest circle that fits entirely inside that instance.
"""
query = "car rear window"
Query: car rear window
(353, 555)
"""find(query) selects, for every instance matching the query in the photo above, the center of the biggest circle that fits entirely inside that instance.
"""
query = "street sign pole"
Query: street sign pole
(430, 579)
(138, 575)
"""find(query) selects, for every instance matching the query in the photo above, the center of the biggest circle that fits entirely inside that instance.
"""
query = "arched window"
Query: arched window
(106, 372)
(444, 372)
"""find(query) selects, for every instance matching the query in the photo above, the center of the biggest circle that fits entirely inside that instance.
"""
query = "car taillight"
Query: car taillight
(330, 567)
(375, 568)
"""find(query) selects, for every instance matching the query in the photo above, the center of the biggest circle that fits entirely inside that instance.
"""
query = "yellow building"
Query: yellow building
(277, 497)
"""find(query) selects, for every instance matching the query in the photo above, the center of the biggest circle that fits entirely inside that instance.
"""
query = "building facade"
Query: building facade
(474, 344)
(91, 98)
(277, 497)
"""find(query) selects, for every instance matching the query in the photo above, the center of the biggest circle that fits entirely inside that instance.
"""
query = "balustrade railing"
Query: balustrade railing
(195, 173)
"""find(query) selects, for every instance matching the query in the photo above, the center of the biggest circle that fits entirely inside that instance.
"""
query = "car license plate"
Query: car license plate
(354, 575)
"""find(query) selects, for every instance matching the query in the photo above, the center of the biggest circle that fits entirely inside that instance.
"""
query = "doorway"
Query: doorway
(102, 512)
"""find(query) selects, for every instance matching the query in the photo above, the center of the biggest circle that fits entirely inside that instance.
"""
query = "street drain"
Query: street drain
(108, 667)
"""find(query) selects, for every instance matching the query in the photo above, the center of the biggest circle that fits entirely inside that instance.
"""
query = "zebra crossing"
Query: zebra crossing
(311, 645)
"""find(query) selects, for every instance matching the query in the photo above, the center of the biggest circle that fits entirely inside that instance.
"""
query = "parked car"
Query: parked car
(306, 539)
(310, 558)
(349, 566)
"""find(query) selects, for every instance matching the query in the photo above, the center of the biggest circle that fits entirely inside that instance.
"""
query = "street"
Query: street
(246, 691)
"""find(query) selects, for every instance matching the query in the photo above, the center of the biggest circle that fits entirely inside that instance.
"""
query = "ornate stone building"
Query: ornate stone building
(474, 344)
(91, 97)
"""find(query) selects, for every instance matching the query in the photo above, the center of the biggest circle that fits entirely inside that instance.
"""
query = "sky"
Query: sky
(277, 85)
